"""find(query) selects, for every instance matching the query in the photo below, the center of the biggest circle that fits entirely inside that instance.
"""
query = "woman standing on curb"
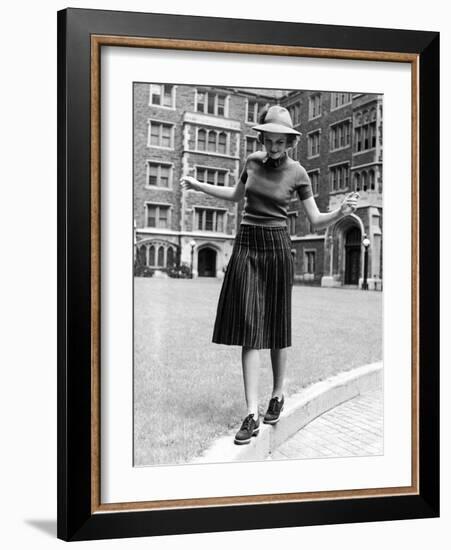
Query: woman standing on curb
(254, 308)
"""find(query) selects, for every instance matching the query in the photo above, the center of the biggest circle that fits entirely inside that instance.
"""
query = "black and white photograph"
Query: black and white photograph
(258, 274)
(229, 325)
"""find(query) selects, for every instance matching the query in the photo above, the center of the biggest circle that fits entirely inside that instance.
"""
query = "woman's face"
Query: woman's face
(275, 144)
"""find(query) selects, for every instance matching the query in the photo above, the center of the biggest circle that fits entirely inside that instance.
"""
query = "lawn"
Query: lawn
(188, 391)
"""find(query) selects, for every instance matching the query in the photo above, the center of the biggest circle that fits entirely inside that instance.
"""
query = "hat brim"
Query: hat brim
(276, 129)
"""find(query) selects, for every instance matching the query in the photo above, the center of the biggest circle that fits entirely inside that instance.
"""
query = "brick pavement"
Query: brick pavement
(354, 428)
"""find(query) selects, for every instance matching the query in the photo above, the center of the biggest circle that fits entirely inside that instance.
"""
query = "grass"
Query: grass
(188, 391)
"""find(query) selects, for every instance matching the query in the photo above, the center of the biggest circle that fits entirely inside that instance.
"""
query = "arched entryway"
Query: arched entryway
(206, 262)
(353, 239)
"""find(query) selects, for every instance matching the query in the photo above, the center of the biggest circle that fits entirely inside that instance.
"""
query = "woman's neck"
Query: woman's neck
(274, 163)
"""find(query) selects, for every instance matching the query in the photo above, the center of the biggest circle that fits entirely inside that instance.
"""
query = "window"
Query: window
(291, 221)
(162, 95)
(314, 106)
(379, 180)
(211, 176)
(373, 135)
(141, 255)
(201, 140)
(340, 135)
(200, 106)
(339, 177)
(212, 137)
(160, 135)
(365, 136)
(253, 108)
(338, 99)
(295, 113)
(158, 255)
(170, 257)
(357, 182)
(358, 139)
(207, 219)
(159, 174)
(296, 151)
(211, 103)
(252, 145)
(372, 182)
(365, 133)
(364, 182)
(313, 142)
(151, 255)
(160, 262)
(157, 215)
(309, 258)
(314, 179)
(212, 141)
(221, 176)
(220, 107)
(222, 143)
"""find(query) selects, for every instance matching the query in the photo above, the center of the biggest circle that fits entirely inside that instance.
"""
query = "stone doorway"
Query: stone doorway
(353, 240)
(206, 262)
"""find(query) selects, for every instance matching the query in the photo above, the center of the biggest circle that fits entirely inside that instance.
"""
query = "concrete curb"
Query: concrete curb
(299, 410)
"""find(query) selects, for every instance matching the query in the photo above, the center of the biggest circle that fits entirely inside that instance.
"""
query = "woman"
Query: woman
(254, 308)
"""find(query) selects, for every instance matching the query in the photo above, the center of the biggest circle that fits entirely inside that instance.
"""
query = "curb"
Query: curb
(299, 409)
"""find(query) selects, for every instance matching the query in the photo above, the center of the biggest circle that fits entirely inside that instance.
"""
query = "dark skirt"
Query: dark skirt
(254, 308)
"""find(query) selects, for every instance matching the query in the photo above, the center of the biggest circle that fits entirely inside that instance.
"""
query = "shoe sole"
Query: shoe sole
(273, 421)
(246, 441)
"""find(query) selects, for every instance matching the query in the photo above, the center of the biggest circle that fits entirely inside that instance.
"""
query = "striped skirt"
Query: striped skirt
(254, 308)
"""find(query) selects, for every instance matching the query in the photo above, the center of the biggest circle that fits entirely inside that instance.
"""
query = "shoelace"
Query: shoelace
(247, 422)
(272, 405)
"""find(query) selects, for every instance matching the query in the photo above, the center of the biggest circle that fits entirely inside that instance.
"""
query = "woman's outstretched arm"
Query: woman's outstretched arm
(319, 220)
(235, 193)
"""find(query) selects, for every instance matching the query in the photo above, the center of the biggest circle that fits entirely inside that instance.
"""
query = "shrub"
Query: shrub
(142, 271)
(179, 272)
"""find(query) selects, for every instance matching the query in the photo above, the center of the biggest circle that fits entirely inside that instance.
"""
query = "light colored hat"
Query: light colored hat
(277, 121)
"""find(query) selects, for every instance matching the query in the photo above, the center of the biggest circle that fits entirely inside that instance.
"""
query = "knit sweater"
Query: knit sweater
(270, 185)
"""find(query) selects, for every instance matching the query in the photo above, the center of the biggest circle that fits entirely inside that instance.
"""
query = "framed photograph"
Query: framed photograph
(248, 274)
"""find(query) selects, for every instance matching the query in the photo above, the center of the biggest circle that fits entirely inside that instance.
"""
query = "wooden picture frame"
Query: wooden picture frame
(81, 35)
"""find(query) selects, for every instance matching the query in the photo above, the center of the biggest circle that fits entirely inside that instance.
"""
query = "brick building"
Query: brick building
(207, 133)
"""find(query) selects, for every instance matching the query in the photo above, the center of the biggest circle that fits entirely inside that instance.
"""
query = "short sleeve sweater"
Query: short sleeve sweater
(269, 187)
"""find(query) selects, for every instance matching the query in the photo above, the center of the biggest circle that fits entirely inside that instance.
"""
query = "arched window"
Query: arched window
(152, 255)
(366, 137)
(372, 181)
(373, 135)
(142, 255)
(356, 182)
(358, 139)
(201, 139)
(364, 181)
(161, 256)
(170, 257)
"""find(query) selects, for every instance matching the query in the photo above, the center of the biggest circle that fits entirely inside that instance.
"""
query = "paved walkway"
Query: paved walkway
(354, 428)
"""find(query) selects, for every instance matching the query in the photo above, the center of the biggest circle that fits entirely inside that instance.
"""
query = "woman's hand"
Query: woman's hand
(188, 182)
(349, 204)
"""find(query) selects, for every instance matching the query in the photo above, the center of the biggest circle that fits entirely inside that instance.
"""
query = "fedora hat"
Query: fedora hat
(277, 121)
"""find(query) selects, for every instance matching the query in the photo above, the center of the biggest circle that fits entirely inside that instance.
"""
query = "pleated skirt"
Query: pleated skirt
(254, 307)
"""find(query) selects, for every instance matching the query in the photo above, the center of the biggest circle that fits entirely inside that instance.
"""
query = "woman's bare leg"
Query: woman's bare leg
(250, 359)
(279, 369)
